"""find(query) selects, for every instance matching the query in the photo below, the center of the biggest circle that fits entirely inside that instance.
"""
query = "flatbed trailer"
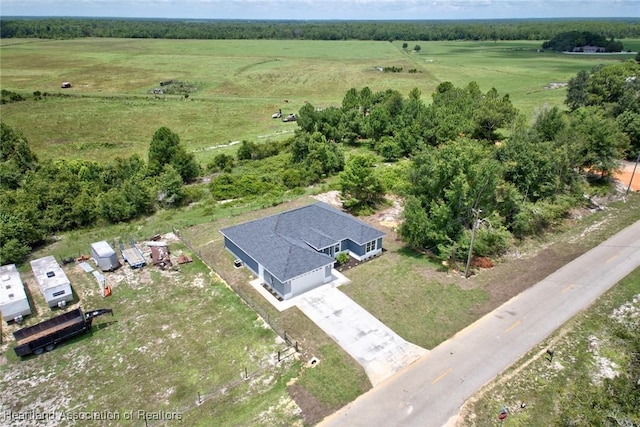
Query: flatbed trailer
(46, 335)
(132, 256)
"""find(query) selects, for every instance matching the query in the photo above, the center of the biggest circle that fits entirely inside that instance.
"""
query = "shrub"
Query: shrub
(342, 258)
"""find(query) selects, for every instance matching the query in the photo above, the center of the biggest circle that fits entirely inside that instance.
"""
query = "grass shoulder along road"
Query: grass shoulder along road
(590, 379)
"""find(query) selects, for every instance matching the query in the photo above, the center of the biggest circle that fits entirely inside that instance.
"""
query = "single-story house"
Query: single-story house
(13, 298)
(294, 251)
(589, 49)
(53, 282)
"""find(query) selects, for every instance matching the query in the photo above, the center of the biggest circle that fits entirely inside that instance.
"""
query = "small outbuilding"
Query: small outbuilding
(13, 299)
(105, 256)
(65, 85)
(53, 282)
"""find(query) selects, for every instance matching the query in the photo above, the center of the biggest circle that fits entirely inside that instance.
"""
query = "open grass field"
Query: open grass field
(174, 336)
(110, 110)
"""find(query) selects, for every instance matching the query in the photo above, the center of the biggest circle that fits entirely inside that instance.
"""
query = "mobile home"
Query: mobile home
(53, 282)
(13, 299)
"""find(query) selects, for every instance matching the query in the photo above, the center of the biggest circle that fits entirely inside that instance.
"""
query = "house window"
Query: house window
(57, 294)
(371, 246)
(336, 249)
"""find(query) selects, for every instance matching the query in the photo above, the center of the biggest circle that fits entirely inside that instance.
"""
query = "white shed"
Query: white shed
(54, 284)
(104, 256)
(13, 299)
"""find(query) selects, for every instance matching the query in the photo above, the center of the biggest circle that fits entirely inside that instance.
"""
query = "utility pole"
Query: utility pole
(476, 213)
(632, 174)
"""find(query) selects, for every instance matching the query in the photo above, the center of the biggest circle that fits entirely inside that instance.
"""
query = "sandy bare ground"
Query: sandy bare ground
(624, 176)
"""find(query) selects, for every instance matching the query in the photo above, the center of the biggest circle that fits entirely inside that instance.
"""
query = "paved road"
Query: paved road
(381, 352)
(432, 390)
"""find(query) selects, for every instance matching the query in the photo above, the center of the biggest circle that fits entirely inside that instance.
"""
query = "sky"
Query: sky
(324, 9)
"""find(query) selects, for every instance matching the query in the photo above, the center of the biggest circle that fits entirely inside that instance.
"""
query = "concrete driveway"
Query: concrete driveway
(379, 350)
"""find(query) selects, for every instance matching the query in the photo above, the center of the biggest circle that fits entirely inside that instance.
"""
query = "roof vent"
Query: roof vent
(5, 277)
(50, 274)
(11, 295)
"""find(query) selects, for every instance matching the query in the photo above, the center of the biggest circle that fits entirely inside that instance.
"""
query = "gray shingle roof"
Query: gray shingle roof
(286, 244)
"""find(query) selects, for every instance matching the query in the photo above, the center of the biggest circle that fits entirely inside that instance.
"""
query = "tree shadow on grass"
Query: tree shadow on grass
(428, 257)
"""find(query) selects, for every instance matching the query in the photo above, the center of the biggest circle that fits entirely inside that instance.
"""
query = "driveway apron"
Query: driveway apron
(379, 350)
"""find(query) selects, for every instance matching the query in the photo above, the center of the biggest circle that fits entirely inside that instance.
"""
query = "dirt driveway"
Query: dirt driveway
(624, 176)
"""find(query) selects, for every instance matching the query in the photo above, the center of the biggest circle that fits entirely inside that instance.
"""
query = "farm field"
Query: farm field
(111, 111)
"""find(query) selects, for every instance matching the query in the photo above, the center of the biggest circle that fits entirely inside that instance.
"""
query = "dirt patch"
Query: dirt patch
(510, 278)
(624, 176)
(313, 410)
(330, 197)
(503, 278)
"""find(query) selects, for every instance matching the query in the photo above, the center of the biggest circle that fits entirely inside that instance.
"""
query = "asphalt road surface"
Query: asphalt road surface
(431, 391)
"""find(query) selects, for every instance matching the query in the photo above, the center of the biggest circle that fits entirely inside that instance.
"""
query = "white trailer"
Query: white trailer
(105, 257)
(13, 299)
(53, 282)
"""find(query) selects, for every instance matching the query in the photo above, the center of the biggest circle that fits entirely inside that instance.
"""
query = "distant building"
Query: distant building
(13, 299)
(589, 49)
(53, 282)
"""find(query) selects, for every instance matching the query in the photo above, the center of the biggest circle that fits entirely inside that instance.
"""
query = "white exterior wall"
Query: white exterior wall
(55, 294)
(367, 255)
(56, 287)
(13, 298)
(308, 281)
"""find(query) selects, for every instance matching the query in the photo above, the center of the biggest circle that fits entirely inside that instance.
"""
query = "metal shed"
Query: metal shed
(104, 256)
(53, 282)
(13, 299)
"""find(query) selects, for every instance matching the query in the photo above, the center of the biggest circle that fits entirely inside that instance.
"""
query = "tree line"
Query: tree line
(461, 167)
(468, 158)
(38, 198)
(572, 40)
(533, 29)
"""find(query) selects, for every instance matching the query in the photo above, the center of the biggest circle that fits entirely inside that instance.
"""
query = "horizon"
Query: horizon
(322, 10)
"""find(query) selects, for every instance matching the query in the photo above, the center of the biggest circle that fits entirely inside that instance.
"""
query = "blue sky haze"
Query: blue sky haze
(324, 9)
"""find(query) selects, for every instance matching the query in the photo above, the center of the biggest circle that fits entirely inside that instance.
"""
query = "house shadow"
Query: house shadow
(354, 262)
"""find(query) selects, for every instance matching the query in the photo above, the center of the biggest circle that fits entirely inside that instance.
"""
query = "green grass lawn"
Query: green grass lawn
(111, 111)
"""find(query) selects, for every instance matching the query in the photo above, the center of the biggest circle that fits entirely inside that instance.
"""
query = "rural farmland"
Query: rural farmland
(111, 110)
(198, 340)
